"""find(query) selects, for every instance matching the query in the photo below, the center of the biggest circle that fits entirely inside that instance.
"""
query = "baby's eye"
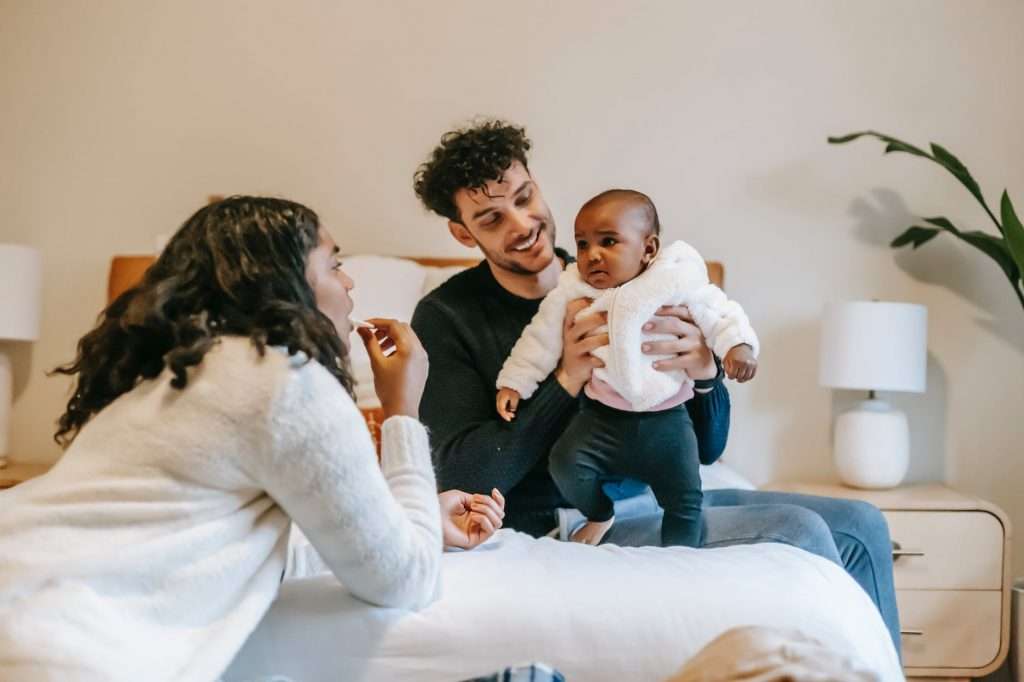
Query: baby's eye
(337, 264)
(608, 241)
(581, 245)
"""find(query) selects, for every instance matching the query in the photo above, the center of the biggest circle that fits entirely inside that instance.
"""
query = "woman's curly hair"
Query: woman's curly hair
(468, 158)
(237, 267)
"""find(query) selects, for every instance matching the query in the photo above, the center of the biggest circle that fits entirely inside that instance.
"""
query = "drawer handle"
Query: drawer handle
(914, 633)
(906, 552)
(898, 551)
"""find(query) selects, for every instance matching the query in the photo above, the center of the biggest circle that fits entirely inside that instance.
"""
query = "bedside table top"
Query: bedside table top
(918, 496)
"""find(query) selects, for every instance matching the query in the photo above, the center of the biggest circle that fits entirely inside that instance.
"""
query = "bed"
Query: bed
(605, 613)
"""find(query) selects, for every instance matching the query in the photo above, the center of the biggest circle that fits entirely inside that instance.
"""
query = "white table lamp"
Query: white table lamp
(21, 279)
(873, 346)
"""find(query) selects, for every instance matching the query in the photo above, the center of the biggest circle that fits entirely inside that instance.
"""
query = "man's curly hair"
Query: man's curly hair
(468, 158)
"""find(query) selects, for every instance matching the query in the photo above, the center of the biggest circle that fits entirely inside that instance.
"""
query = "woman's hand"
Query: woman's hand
(690, 348)
(468, 520)
(399, 366)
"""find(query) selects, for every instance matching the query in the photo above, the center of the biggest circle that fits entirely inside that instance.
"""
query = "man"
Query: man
(478, 179)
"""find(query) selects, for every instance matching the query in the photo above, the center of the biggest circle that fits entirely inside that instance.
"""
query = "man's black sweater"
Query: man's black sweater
(468, 326)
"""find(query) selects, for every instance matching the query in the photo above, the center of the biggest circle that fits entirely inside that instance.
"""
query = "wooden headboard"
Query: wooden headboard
(127, 271)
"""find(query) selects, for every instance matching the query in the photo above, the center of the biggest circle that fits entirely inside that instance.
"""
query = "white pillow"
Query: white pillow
(438, 276)
(721, 475)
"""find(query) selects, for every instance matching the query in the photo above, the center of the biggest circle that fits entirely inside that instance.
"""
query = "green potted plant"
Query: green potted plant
(1006, 248)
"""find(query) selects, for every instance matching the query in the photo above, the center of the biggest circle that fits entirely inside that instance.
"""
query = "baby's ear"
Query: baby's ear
(651, 246)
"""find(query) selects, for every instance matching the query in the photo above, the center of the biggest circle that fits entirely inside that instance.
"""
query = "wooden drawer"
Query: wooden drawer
(958, 629)
(959, 550)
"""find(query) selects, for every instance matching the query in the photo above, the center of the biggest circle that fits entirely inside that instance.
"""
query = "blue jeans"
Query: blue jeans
(850, 533)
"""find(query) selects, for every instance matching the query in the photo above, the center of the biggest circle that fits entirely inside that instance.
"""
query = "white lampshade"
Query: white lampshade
(874, 346)
(21, 284)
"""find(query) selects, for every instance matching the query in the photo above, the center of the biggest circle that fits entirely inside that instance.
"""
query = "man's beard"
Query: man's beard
(503, 261)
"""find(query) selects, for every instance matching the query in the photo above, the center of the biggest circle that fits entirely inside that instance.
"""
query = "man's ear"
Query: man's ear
(461, 234)
(651, 247)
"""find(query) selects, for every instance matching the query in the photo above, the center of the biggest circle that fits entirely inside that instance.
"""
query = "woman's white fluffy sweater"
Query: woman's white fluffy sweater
(155, 545)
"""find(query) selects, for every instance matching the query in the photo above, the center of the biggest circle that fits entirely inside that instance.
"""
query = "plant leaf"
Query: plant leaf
(992, 246)
(995, 248)
(843, 139)
(1014, 231)
(942, 156)
(892, 144)
(914, 236)
(944, 223)
(953, 165)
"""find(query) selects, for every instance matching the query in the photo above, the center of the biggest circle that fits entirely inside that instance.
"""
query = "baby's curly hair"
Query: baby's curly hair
(468, 158)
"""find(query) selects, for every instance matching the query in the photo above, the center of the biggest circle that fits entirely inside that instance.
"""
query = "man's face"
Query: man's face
(509, 220)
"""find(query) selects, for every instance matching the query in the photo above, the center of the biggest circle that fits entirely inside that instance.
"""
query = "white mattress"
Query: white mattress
(596, 613)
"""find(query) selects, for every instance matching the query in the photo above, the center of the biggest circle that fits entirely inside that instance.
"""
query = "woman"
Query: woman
(212, 406)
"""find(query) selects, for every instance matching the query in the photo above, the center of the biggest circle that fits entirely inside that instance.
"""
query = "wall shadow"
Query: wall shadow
(945, 261)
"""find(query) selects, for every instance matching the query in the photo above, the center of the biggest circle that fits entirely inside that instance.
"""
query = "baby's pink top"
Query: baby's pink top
(603, 393)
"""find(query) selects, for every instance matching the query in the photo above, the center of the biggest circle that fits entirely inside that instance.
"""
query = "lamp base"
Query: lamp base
(6, 398)
(872, 446)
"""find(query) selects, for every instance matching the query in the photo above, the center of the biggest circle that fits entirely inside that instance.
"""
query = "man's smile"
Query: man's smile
(528, 243)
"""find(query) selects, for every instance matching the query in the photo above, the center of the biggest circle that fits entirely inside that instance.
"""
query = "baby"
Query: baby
(632, 421)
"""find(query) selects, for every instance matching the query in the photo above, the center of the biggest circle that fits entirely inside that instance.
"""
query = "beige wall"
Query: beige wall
(119, 118)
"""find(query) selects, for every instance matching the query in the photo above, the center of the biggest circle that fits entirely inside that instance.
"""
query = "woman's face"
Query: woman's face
(330, 284)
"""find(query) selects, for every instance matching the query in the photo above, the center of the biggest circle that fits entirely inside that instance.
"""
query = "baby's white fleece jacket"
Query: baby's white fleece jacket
(676, 276)
(157, 543)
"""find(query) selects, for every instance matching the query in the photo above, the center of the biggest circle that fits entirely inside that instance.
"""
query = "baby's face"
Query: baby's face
(613, 243)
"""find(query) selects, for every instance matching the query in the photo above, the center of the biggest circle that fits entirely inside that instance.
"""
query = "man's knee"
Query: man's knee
(804, 528)
(868, 520)
(865, 526)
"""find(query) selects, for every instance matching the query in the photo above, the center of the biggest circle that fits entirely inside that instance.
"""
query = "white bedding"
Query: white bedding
(603, 613)
(596, 613)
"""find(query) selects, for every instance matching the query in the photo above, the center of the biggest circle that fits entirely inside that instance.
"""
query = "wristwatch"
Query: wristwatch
(704, 384)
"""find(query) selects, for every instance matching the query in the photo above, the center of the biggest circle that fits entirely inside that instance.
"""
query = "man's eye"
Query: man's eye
(491, 220)
(524, 200)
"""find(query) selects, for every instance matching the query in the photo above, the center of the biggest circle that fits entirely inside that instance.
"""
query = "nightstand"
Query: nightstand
(15, 473)
(951, 562)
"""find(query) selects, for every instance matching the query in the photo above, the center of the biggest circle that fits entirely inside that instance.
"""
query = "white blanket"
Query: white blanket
(595, 613)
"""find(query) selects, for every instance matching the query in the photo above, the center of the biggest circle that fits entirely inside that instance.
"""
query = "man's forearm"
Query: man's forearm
(571, 386)
(491, 453)
(710, 414)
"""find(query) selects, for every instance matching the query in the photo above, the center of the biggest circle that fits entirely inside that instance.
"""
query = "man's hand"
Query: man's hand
(577, 362)
(468, 520)
(508, 402)
(690, 348)
(739, 363)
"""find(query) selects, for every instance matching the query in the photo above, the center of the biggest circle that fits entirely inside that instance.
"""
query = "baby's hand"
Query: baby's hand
(739, 363)
(508, 401)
